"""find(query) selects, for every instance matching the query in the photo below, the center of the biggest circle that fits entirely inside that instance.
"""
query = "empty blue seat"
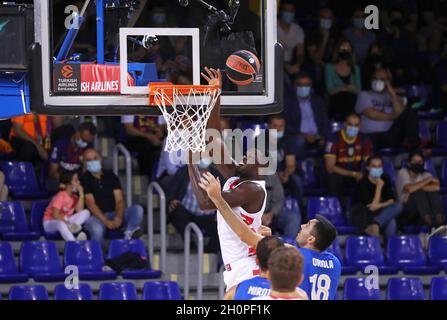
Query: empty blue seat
(40, 259)
(37, 212)
(438, 288)
(36, 292)
(336, 127)
(292, 204)
(406, 253)
(118, 247)
(364, 251)
(118, 291)
(424, 133)
(166, 290)
(335, 249)
(21, 181)
(13, 224)
(355, 289)
(441, 135)
(389, 170)
(405, 289)
(444, 176)
(8, 268)
(428, 166)
(84, 292)
(88, 257)
(437, 252)
(309, 177)
(330, 208)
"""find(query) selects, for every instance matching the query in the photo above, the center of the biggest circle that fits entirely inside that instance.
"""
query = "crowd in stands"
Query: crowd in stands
(335, 71)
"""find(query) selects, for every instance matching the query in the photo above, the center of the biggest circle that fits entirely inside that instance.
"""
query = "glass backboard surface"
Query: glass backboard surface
(97, 57)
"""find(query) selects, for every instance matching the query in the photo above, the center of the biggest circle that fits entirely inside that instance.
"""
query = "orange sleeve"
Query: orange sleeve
(19, 119)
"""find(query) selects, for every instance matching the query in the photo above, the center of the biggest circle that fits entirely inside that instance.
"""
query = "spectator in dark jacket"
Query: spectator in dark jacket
(375, 208)
(306, 117)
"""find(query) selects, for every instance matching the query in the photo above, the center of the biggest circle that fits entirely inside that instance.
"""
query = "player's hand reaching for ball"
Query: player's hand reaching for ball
(213, 77)
(211, 185)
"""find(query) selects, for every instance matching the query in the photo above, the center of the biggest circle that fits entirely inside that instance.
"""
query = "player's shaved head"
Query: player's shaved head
(285, 269)
(264, 249)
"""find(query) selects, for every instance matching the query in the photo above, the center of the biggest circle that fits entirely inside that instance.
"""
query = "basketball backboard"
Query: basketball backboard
(97, 57)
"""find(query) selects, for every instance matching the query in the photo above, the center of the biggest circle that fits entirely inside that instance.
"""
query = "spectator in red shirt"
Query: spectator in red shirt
(344, 154)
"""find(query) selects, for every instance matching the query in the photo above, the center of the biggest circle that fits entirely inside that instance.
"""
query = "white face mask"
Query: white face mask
(378, 85)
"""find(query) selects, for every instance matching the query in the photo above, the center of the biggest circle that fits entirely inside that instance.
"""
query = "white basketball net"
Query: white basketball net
(186, 116)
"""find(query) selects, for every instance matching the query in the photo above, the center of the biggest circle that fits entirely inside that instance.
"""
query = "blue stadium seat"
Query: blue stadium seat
(118, 247)
(405, 289)
(84, 292)
(406, 253)
(118, 291)
(441, 135)
(21, 181)
(389, 170)
(166, 290)
(438, 288)
(424, 133)
(355, 289)
(292, 204)
(36, 292)
(444, 176)
(437, 252)
(37, 212)
(364, 251)
(330, 208)
(88, 257)
(8, 268)
(336, 126)
(428, 166)
(13, 224)
(335, 249)
(310, 180)
(40, 260)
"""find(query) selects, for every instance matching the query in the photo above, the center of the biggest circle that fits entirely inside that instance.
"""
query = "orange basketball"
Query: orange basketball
(242, 67)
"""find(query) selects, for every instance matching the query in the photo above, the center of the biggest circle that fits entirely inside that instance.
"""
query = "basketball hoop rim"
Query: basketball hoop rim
(180, 88)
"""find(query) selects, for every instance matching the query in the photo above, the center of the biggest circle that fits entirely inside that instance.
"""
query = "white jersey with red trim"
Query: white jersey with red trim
(301, 292)
(233, 249)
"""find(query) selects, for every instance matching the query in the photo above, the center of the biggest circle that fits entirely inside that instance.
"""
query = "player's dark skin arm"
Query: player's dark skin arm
(225, 166)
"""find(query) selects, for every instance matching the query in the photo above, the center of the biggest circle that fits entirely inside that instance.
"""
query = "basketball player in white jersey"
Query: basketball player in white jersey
(244, 191)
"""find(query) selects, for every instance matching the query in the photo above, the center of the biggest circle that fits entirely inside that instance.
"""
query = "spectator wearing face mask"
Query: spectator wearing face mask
(344, 153)
(418, 191)
(343, 81)
(375, 209)
(307, 123)
(375, 60)
(291, 36)
(286, 158)
(105, 199)
(359, 36)
(66, 153)
(385, 119)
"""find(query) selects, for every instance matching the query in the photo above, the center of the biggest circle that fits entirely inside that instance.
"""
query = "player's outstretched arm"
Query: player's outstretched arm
(212, 187)
(225, 166)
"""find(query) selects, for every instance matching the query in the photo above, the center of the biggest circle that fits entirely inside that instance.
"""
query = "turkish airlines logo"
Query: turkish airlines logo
(67, 71)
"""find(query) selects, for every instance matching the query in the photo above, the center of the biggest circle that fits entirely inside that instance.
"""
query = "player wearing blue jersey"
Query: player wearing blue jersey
(259, 285)
(321, 269)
